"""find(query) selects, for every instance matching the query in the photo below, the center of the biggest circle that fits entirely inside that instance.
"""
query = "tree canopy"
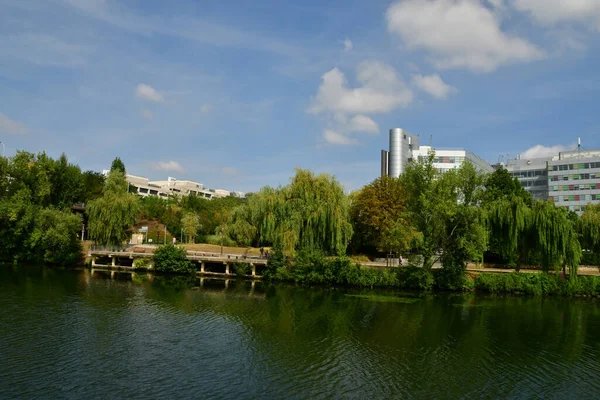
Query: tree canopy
(312, 212)
(113, 214)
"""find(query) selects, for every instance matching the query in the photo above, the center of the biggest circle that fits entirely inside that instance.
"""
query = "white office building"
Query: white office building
(404, 147)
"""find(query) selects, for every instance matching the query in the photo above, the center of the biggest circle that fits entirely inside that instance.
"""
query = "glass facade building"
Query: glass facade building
(574, 179)
(570, 179)
(533, 175)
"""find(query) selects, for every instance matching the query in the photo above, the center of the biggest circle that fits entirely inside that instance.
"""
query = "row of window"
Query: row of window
(574, 177)
(534, 183)
(581, 186)
(576, 197)
(529, 174)
(569, 167)
(447, 160)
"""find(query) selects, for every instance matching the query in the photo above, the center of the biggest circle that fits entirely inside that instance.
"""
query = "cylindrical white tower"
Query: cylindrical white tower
(395, 156)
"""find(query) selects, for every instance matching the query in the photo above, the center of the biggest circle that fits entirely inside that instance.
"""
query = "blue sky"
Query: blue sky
(237, 94)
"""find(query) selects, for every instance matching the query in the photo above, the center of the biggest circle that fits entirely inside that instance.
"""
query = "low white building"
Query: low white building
(174, 187)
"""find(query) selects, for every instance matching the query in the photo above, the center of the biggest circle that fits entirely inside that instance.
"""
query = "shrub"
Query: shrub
(216, 239)
(241, 268)
(172, 259)
(417, 278)
(142, 263)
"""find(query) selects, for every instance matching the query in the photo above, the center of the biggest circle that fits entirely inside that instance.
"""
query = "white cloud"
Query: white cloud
(229, 171)
(11, 127)
(171, 166)
(381, 91)
(458, 34)
(205, 108)
(434, 85)
(550, 12)
(362, 123)
(539, 151)
(147, 114)
(147, 92)
(333, 137)
(347, 45)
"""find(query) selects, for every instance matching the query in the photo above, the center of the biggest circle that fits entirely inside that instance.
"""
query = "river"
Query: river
(78, 334)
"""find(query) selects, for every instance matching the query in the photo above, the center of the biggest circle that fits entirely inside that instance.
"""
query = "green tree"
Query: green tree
(93, 183)
(117, 165)
(113, 214)
(379, 217)
(172, 259)
(54, 238)
(312, 212)
(190, 223)
(443, 208)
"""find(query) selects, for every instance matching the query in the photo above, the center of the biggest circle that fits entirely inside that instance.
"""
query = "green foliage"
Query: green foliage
(241, 268)
(538, 284)
(589, 229)
(54, 239)
(216, 240)
(190, 223)
(117, 165)
(142, 263)
(417, 278)
(172, 259)
(113, 214)
(312, 212)
(378, 214)
(444, 209)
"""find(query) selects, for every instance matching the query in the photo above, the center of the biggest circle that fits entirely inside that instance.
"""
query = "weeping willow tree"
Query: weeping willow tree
(311, 212)
(556, 237)
(589, 227)
(509, 223)
(111, 215)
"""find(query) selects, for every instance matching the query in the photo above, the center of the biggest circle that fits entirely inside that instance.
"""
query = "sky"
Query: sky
(236, 94)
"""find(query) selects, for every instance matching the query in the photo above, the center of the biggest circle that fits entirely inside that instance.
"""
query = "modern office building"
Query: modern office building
(446, 159)
(401, 147)
(532, 174)
(574, 179)
(405, 147)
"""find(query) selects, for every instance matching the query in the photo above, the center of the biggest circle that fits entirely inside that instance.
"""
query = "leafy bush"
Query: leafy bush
(216, 239)
(142, 263)
(241, 268)
(172, 259)
(417, 278)
(538, 284)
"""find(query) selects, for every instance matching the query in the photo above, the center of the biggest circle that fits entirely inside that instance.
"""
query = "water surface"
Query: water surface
(78, 334)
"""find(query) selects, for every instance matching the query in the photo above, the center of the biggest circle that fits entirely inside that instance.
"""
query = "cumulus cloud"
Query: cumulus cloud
(147, 92)
(458, 34)
(380, 91)
(550, 12)
(540, 151)
(229, 171)
(433, 85)
(147, 114)
(347, 45)
(170, 166)
(11, 127)
(333, 137)
(362, 123)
